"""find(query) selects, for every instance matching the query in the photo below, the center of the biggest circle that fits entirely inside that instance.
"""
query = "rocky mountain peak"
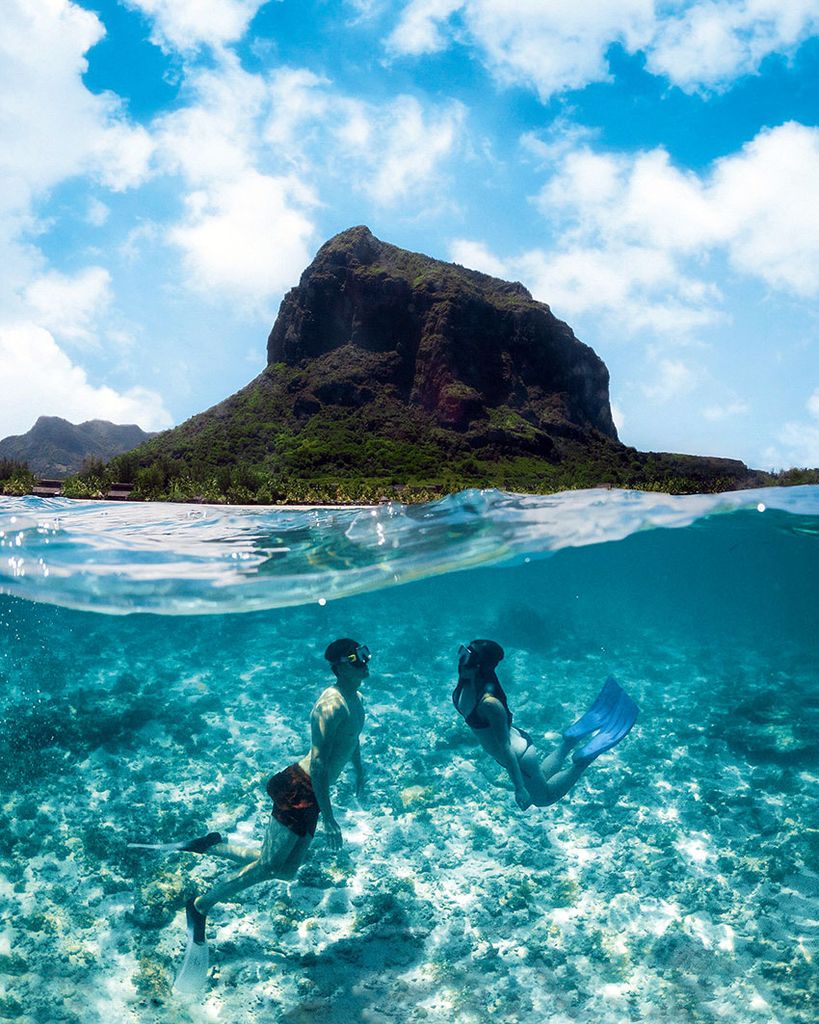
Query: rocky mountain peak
(477, 353)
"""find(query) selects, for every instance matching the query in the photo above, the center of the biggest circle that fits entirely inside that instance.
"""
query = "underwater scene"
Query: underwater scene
(159, 663)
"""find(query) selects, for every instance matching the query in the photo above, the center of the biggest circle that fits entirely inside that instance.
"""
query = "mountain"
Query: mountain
(56, 448)
(472, 354)
(390, 366)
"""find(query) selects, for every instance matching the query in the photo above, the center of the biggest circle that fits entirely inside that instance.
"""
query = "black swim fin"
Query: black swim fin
(198, 845)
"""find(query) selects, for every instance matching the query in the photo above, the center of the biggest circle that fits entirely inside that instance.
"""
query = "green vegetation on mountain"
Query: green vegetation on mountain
(384, 449)
(56, 448)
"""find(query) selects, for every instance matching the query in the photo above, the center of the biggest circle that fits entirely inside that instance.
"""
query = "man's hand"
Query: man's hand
(522, 799)
(332, 831)
(360, 782)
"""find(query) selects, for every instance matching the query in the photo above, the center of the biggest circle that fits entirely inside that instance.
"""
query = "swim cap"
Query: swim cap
(487, 653)
(340, 649)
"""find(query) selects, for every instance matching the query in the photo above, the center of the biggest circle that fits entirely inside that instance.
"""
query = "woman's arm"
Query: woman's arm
(495, 714)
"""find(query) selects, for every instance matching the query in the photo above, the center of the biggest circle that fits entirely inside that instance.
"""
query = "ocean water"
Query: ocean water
(158, 663)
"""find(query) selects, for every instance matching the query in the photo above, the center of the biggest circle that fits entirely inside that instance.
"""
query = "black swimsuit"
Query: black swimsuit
(475, 719)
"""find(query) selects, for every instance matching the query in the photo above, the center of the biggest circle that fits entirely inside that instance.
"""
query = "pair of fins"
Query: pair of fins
(608, 720)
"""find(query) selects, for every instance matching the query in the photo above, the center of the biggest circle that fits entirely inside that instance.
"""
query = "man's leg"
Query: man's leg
(280, 850)
(295, 860)
(238, 854)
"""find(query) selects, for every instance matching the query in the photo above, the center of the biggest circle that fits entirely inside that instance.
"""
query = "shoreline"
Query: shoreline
(199, 504)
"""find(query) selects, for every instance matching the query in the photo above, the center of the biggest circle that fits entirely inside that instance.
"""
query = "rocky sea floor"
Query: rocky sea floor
(678, 881)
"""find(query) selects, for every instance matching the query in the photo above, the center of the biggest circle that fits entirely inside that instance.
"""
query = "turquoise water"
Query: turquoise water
(677, 882)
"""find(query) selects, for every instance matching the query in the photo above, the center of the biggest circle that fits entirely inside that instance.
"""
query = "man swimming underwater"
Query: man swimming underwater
(300, 793)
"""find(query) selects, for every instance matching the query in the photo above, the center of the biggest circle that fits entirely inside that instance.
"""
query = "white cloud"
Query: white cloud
(246, 231)
(640, 197)
(674, 378)
(245, 237)
(420, 28)
(607, 279)
(186, 25)
(412, 142)
(121, 155)
(477, 256)
(97, 213)
(636, 233)
(52, 126)
(70, 305)
(765, 203)
(712, 43)
(559, 45)
(248, 146)
(799, 441)
(549, 47)
(216, 137)
(40, 379)
(618, 416)
(639, 287)
(308, 118)
(299, 103)
(366, 9)
(727, 410)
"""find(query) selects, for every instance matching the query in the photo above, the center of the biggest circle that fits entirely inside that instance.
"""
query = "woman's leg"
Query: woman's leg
(546, 789)
(550, 764)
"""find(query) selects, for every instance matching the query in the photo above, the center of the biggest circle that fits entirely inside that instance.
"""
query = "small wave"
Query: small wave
(174, 559)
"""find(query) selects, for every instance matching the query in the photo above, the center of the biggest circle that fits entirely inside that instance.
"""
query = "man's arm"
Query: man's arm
(495, 714)
(358, 768)
(324, 722)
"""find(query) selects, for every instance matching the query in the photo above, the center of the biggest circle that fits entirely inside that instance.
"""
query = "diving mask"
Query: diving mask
(466, 657)
(360, 656)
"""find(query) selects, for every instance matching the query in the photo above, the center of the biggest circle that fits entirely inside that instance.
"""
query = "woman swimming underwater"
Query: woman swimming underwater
(481, 700)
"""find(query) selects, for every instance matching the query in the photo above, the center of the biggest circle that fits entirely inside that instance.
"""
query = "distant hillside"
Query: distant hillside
(386, 368)
(56, 448)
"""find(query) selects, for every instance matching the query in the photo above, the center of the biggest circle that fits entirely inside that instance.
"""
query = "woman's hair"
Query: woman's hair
(486, 654)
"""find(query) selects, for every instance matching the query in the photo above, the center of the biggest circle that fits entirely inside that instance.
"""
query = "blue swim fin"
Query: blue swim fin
(617, 725)
(598, 713)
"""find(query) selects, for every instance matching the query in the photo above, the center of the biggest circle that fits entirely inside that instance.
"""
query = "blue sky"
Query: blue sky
(649, 168)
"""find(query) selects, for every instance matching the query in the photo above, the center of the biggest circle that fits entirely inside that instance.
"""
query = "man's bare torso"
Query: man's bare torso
(348, 715)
